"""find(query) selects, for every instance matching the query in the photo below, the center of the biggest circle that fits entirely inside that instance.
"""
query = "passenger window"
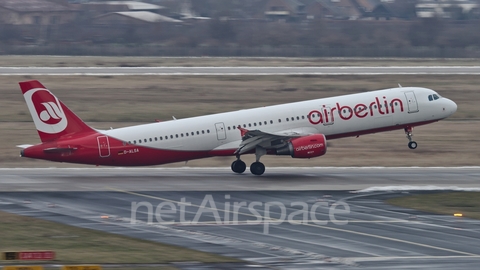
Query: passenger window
(161, 138)
(208, 130)
(255, 124)
(198, 132)
(150, 139)
(171, 136)
(181, 134)
(145, 140)
(203, 131)
(265, 122)
(271, 121)
(193, 133)
(279, 120)
(134, 142)
(287, 119)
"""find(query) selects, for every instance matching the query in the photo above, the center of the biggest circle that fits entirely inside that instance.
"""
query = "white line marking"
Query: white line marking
(238, 74)
(225, 168)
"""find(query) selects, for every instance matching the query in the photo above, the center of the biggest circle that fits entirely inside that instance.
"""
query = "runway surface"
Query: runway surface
(375, 236)
(213, 179)
(119, 71)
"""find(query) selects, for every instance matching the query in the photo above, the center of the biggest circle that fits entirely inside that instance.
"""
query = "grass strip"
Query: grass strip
(447, 203)
(84, 246)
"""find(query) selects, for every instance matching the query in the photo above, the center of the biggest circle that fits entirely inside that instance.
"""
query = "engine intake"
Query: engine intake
(305, 147)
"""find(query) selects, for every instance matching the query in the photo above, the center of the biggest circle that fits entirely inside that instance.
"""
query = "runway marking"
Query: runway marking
(366, 259)
(349, 249)
(239, 74)
(201, 223)
(304, 224)
(366, 168)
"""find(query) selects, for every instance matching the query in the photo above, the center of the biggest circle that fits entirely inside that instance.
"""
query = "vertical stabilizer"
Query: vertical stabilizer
(51, 117)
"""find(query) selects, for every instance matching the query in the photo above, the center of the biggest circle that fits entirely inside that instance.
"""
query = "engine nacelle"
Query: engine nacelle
(305, 147)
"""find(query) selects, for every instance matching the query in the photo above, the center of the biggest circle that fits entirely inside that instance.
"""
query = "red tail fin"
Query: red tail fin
(51, 117)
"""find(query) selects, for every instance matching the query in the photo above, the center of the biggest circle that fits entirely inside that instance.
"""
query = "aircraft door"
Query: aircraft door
(221, 132)
(328, 118)
(412, 102)
(103, 146)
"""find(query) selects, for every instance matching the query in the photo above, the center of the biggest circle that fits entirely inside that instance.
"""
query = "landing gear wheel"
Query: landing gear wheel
(412, 145)
(238, 166)
(257, 168)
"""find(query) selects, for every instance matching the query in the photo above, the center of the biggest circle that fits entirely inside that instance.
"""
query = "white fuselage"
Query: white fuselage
(334, 117)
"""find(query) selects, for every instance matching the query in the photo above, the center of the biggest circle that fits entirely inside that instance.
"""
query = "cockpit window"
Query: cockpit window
(433, 97)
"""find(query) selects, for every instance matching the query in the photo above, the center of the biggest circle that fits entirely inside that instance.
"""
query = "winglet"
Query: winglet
(243, 131)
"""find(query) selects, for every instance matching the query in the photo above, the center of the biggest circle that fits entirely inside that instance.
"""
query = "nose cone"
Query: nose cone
(452, 106)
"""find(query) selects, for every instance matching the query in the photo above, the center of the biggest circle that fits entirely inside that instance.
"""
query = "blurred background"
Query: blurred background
(301, 28)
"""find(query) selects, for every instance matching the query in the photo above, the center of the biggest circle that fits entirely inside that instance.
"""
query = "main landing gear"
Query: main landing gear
(239, 166)
(257, 168)
(411, 143)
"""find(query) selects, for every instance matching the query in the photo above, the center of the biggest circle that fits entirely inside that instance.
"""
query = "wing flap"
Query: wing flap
(253, 138)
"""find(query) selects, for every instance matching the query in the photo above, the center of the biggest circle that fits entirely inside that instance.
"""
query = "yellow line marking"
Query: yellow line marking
(305, 224)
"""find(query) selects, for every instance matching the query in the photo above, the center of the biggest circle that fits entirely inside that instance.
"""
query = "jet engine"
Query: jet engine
(305, 147)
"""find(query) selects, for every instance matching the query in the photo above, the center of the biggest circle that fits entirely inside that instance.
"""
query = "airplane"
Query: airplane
(299, 130)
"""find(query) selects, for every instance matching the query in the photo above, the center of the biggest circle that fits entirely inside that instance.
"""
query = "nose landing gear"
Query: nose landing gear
(411, 143)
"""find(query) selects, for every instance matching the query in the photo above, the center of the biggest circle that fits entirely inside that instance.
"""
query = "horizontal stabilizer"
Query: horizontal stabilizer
(23, 146)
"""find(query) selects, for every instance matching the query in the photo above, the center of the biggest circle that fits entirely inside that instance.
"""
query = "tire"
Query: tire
(412, 145)
(238, 166)
(257, 168)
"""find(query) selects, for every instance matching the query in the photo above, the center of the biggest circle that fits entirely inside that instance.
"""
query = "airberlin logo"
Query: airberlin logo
(46, 111)
(52, 112)
(377, 107)
(309, 147)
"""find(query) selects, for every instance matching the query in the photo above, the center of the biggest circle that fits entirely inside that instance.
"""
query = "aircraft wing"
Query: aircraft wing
(253, 138)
